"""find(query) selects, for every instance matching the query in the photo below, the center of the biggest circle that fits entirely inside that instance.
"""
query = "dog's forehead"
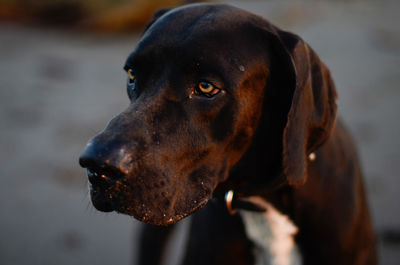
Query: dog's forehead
(200, 17)
(200, 31)
(192, 24)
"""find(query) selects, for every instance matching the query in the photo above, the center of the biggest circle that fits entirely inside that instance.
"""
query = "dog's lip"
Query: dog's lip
(99, 184)
(102, 178)
(101, 201)
(95, 177)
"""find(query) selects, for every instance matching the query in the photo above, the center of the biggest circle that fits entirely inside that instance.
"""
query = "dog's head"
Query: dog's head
(204, 82)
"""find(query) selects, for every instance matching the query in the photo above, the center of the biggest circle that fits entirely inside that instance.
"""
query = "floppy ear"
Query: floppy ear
(312, 112)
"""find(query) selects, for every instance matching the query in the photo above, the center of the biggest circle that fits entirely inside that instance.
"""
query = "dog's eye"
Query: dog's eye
(207, 89)
(131, 85)
(131, 76)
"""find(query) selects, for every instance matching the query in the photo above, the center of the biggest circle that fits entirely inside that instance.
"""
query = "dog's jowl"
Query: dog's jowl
(232, 121)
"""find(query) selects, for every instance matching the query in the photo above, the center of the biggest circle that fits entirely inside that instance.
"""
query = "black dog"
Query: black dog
(223, 102)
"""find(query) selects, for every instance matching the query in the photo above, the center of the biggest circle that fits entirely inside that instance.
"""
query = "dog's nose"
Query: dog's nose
(105, 162)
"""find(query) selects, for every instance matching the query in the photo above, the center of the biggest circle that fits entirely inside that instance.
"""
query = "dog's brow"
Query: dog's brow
(132, 60)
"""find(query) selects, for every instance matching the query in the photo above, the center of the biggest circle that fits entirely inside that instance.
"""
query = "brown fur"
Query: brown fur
(174, 149)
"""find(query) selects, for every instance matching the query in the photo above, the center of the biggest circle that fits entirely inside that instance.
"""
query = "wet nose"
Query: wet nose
(105, 162)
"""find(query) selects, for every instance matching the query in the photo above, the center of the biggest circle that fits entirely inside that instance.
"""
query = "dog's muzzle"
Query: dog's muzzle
(103, 170)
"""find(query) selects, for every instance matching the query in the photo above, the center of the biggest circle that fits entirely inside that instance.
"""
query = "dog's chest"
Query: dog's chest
(272, 234)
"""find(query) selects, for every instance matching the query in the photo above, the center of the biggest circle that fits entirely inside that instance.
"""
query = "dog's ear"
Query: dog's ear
(156, 16)
(312, 112)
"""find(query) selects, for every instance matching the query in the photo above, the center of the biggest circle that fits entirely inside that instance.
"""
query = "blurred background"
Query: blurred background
(61, 80)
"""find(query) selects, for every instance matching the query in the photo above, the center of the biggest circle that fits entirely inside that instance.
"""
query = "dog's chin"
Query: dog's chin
(106, 202)
(154, 202)
(100, 200)
(160, 217)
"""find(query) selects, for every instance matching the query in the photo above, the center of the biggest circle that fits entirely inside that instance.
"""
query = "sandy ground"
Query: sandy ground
(58, 88)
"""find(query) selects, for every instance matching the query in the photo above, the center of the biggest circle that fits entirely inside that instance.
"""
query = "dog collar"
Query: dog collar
(233, 204)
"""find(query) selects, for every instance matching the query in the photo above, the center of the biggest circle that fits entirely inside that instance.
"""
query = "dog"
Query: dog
(234, 116)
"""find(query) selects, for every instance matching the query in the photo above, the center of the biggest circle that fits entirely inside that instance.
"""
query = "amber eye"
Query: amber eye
(131, 76)
(207, 89)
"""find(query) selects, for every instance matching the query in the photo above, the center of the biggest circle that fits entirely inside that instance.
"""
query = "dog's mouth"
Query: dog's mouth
(100, 187)
(147, 197)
